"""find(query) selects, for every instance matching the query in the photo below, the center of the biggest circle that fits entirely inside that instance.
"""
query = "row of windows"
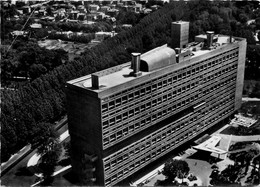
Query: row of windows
(141, 121)
(119, 132)
(229, 107)
(158, 100)
(178, 91)
(217, 74)
(160, 148)
(136, 164)
(142, 142)
(217, 86)
(189, 84)
(128, 170)
(140, 90)
(158, 136)
(135, 111)
(212, 99)
(147, 106)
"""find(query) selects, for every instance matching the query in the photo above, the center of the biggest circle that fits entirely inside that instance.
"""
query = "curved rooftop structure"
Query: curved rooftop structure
(157, 58)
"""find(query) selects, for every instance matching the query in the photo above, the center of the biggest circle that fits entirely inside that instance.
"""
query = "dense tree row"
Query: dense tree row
(43, 100)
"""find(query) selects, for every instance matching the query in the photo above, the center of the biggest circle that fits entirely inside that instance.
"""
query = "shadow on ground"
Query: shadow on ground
(204, 156)
(24, 171)
(71, 177)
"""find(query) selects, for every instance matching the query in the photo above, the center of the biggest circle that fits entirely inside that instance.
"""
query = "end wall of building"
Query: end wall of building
(240, 73)
(85, 133)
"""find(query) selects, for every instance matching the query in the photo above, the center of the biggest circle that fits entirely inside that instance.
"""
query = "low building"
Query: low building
(104, 9)
(92, 16)
(93, 8)
(19, 33)
(100, 36)
(36, 26)
(26, 9)
(136, 8)
(73, 14)
(81, 16)
(113, 12)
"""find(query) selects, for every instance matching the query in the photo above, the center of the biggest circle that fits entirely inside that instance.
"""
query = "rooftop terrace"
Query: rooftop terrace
(121, 74)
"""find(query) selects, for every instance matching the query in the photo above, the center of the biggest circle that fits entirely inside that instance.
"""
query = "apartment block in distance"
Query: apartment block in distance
(125, 117)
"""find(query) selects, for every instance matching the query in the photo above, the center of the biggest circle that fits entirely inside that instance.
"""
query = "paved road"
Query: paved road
(19, 175)
(16, 158)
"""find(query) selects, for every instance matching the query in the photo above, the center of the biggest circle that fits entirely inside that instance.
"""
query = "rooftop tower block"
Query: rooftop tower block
(179, 34)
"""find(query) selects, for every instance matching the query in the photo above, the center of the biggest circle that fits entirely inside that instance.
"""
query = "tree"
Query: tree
(47, 142)
(36, 70)
(174, 168)
(243, 18)
(49, 10)
(49, 162)
(45, 138)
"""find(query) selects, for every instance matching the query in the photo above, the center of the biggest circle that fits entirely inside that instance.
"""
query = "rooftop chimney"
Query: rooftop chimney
(230, 37)
(210, 35)
(135, 64)
(95, 81)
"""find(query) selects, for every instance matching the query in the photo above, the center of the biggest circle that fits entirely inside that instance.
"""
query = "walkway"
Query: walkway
(17, 157)
(234, 138)
(250, 99)
(35, 158)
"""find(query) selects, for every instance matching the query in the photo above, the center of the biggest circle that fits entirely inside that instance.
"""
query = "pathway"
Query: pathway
(242, 138)
(250, 99)
(35, 158)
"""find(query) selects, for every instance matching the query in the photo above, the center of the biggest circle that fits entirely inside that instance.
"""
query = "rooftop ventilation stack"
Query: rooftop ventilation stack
(135, 64)
(210, 35)
(95, 81)
(230, 37)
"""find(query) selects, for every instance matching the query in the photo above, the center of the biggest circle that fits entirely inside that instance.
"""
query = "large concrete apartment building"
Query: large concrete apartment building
(125, 117)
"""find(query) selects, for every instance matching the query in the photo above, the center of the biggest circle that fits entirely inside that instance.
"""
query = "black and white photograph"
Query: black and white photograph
(130, 93)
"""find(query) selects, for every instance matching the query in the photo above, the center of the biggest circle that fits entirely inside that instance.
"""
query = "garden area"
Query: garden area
(177, 172)
(244, 171)
(249, 109)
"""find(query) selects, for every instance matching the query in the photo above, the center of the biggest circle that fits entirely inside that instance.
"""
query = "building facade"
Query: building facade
(125, 117)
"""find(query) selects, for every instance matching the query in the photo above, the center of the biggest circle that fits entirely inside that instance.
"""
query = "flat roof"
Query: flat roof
(112, 78)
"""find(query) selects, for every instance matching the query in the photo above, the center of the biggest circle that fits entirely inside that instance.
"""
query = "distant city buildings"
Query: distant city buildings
(123, 118)
(71, 11)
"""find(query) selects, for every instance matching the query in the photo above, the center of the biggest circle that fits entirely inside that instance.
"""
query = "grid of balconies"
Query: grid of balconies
(127, 161)
(163, 104)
